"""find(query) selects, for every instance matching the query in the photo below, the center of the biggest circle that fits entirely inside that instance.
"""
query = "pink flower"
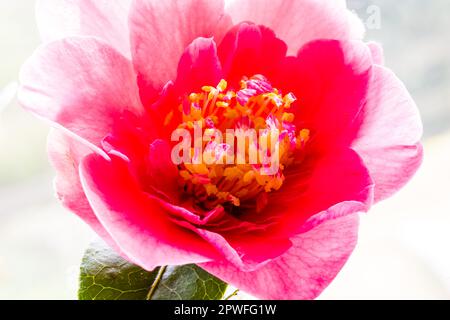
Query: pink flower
(117, 77)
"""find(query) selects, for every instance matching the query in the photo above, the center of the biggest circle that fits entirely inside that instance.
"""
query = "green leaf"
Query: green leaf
(104, 275)
(188, 282)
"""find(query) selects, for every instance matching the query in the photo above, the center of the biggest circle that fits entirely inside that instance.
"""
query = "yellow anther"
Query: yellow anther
(185, 175)
(193, 97)
(278, 182)
(232, 172)
(222, 86)
(260, 123)
(197, 168)
(212, 173)
(214, 119)
(305, 135)
(231, 114)
(222, 195)
(211, 189)
(288, 117)
(210, 132)
(234, 200)
(219, 171)
(168, 118)
(195, 115)
(288, 100)
(190, 124)
(273, 99)
(249, 176)
(222, 104)
(212, 94)
(231, 94)
(208, 88)
(215, 183)
(262, 179)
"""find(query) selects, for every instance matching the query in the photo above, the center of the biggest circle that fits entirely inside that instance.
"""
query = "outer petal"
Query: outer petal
(137, 223)
(65, 154)
(105, 19)
(377, 52)
(161, 30)
(81, 85)
(305, 270)
(389, 135)
(298, 22)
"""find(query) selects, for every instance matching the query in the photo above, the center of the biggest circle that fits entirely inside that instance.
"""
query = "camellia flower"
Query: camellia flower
(116, 78)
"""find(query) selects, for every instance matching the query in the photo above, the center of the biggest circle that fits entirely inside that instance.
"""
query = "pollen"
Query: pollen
(256, 105)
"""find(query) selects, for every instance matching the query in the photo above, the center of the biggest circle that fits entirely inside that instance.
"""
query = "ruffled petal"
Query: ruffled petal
(336, 182)
(389, 135)
(305, 270)
(199, 66)
(65, 155)
(248, 49)
(298, 22)
(242, 250)
(81, 85)
(330, 79)
(107, 20)
(136, 221)
(160, 32)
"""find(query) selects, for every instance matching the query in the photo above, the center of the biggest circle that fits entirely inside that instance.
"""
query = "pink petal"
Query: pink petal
(298, 22)
(160, 32)
(389, 135)
(65, 155)
(199, 66)
(377, 52)
(81, 85)
(136, 221)
(305, 270)
(107, 20)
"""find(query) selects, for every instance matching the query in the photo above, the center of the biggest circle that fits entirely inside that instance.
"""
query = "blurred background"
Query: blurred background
(403, 249)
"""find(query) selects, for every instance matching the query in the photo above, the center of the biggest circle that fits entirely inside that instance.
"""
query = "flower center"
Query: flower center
(258, 128)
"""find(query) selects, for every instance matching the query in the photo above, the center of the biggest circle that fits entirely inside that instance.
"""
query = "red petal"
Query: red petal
(249, 49)
(137, 222)
(199, 66)
(330, 78)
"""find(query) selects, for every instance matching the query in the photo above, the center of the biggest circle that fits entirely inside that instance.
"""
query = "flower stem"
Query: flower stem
(235, 293)
(156, 282)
